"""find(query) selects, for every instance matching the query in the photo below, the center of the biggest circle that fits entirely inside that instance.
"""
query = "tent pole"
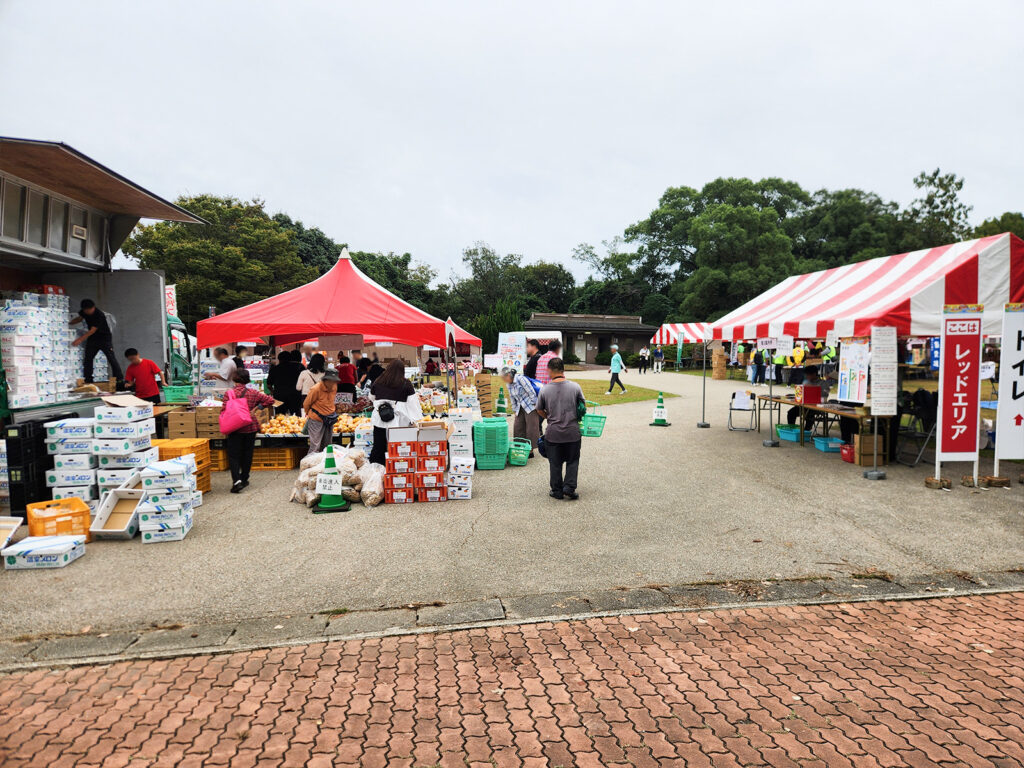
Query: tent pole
(771, 442)
(703, 423)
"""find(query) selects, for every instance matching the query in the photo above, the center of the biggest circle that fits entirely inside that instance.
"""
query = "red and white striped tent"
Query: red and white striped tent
(906, 291)
(682, 333)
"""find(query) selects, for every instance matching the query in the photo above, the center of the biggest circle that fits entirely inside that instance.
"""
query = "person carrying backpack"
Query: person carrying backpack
(759, 367)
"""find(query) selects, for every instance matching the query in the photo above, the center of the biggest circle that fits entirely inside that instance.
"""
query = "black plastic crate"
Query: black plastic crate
(21, 450)
(26, 474)
(22, 495)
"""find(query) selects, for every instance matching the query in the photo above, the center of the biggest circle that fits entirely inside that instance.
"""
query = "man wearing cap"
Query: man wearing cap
(321, 411)
(616, 368)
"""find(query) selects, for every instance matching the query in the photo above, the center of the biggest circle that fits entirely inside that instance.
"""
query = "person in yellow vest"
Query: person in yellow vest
(779, 363)
(796, 360)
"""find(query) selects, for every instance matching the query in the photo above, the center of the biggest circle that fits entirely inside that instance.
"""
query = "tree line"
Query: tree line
(698, 255)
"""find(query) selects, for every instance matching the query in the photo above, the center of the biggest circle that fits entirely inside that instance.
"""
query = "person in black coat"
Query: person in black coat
(282, 380)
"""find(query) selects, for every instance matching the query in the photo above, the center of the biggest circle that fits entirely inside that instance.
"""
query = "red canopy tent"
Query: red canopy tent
(462, 336)
(343, 301)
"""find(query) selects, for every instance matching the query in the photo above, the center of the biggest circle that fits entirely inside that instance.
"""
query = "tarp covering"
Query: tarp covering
(343, 301)
(462, 336)
(682, 333)
(906, 291)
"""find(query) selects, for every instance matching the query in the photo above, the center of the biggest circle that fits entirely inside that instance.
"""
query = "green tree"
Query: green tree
(242, 255)
(1008, 222)
(938, 216)
(843, 226)
(503, 317)
(656, 308)
(315, 248)
(547, 287)
(399, 274)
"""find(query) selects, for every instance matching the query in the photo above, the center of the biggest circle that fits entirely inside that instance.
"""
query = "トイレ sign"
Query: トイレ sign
(959, 383)
(1010, 413)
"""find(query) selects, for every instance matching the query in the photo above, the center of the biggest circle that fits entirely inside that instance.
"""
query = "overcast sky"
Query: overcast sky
(534, 126)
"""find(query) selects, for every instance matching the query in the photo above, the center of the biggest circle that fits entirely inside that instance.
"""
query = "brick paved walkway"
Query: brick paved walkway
(936, 682)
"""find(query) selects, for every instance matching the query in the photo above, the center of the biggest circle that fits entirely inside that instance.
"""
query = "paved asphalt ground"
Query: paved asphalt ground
(658, 506)
(916, 683)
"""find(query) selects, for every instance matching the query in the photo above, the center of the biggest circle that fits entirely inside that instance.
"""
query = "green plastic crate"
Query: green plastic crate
(178, 393)
(491, 461)
(519, 452)
(490, 436)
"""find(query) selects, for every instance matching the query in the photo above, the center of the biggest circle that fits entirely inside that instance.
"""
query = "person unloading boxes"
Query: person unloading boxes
(97, 339)
(143, 374)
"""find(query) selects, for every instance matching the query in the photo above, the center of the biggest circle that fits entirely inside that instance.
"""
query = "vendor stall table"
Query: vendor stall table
(831, 413)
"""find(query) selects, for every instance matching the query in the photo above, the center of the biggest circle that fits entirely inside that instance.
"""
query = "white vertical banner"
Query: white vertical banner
(1010, 414)
(884, 361)
(171, 299)
(959, 384)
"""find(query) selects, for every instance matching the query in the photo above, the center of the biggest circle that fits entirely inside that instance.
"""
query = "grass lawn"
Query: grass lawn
(594, 390)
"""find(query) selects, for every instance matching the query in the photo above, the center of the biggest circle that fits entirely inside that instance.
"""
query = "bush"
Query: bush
(569, 357)
(604, 358)
(633, 361)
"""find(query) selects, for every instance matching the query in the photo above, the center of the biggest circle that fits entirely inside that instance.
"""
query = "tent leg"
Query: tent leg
(703, 423)
(771, 442)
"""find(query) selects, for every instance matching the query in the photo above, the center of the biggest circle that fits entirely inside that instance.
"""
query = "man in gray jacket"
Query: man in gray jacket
(557, 403)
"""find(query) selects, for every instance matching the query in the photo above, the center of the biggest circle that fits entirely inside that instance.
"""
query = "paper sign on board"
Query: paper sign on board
(328, 485)
(960, 383)
(1010, 414)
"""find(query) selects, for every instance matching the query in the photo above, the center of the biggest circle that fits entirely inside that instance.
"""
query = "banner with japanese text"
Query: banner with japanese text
(1010, 413)
(959, 383)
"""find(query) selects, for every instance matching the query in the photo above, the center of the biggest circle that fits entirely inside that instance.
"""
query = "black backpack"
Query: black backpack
(758, 358)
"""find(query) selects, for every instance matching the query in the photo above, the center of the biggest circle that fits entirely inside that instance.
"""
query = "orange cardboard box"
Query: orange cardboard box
(432, 463)
(399, 481)
(429, 479)
(399, 496)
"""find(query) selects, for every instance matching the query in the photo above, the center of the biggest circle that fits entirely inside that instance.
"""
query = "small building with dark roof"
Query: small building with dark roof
(587, 335)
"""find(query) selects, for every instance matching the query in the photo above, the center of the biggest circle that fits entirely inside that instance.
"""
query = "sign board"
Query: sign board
(884, 366)
(1010, 414)
(328, 484)
(171, 299)
(935, 353)
(784, 345)
(660, 412)
(383, 343)
(493, 362)
(766, 343)
(343, 397)
(512, 346)
(340, 341)
(831, 338)
(411, 371)
(853, 370)
(960, 383)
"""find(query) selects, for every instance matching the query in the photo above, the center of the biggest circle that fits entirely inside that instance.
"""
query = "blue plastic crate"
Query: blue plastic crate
(828, 444)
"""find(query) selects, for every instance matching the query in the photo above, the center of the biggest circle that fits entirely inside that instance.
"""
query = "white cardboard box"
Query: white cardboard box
(197, 499)
(83, 492)
(455, 493)
(74, 461)
(168, 532)
(114, 477)
(455, 480)
(121, 447)
(117, 430)
(164, 496)
(172, 473)
(461, 465)
(81, 428)
(153, 516)
(43, 552)
(69, 445)
(8, 525)
(63, 476)
(136, 460)
(122, 409)
(117, 516)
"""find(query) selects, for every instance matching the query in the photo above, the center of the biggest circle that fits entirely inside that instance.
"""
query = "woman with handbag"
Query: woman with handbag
(321, 411)
(312, 375)
(396, 404)
(240, 426)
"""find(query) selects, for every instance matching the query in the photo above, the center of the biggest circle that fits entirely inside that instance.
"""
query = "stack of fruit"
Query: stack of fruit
(349, 423)
(284, 425)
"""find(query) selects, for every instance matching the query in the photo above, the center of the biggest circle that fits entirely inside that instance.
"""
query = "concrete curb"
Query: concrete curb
(225, 647)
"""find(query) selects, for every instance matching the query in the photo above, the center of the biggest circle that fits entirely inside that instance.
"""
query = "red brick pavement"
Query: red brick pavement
(924, 683)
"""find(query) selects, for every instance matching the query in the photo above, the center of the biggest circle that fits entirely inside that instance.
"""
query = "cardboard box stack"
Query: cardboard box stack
(483, 393)
(35, 342)
(199, 447)
(460, 476)
(719, 364)
(71, 443)
(169, 498)
(864, 450)
(208, 423)
(460, 441)
(209, 386)
(431, 462)
(400, 465)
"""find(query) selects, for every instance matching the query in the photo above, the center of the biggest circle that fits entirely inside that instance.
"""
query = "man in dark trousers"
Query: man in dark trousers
(97, 339)
(558, 402)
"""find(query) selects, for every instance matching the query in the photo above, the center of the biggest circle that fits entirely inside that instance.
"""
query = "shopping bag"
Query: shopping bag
(235, 413)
